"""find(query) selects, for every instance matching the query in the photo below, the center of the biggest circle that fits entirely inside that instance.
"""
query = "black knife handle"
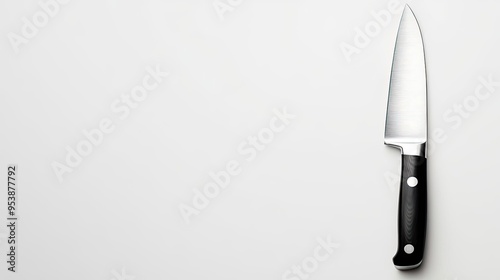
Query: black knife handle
(412, 220)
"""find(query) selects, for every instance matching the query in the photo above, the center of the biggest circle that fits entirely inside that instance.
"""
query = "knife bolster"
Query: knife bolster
(410, 149)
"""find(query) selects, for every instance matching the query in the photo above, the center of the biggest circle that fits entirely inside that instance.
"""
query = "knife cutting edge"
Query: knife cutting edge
(406, 129)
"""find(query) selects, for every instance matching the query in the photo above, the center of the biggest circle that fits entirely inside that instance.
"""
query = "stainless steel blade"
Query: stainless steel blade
(406, 120)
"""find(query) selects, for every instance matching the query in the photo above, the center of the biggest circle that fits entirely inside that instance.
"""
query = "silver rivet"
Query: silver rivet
(412, 182)
(409, 249)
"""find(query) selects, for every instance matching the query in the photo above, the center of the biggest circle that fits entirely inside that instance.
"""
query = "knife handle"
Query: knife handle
(412, 219)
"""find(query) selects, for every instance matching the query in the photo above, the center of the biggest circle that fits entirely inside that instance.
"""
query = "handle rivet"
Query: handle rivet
(412, 182)
(409, 249)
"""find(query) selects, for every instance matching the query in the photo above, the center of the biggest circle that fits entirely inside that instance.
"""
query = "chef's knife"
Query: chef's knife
(406, 129)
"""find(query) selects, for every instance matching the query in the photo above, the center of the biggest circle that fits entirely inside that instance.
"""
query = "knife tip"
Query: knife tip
(407, 7)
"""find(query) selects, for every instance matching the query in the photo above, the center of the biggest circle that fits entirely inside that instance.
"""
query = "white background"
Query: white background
(327, 174)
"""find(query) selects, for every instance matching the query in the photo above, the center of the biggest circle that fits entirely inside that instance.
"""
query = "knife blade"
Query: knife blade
(406, 129)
